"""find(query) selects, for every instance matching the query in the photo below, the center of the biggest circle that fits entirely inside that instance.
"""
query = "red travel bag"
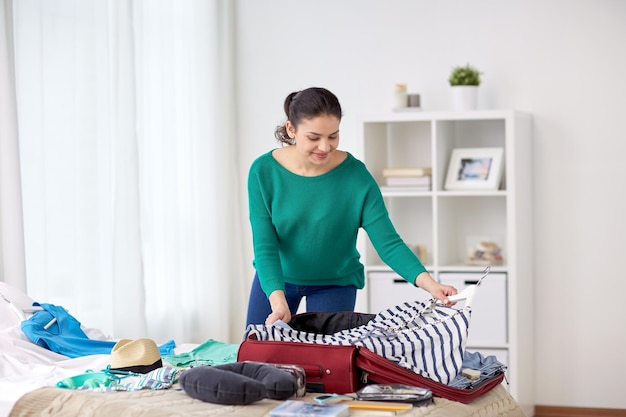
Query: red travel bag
(329, 369)
(345, 369)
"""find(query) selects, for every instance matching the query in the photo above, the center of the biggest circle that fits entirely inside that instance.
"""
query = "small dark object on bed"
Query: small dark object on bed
(417, 396)
(239, 383)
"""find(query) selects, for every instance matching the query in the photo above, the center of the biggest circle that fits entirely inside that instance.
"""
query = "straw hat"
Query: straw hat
(140, 356)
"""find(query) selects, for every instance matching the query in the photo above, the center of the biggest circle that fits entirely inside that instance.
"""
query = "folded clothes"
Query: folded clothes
(108, 380)
(487, 365)
(211, 352)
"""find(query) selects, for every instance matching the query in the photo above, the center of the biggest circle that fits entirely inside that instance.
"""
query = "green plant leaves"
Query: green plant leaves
(466, 75)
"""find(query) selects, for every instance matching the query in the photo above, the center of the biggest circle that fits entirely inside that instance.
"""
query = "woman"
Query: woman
(308, 199)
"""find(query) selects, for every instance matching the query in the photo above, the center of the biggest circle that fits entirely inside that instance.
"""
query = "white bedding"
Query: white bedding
(24, 366)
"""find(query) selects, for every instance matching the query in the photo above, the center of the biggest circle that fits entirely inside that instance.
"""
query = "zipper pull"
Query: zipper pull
(364, 376)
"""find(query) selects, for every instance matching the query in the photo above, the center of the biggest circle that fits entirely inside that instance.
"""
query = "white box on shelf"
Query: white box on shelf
(391, 289)
(488, 321)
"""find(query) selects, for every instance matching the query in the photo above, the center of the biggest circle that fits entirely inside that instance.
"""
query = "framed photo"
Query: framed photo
(475, 169)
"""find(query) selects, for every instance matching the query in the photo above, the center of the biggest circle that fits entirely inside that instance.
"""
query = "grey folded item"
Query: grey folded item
(238, 383)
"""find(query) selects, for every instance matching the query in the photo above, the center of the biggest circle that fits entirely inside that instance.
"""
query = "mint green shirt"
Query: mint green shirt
(304, 229)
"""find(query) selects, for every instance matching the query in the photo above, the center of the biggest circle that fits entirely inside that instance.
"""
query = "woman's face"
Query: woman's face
(316, 138)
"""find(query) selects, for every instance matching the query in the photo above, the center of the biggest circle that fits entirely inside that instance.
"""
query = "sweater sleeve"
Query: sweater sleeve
(388, 244)
(264, 238)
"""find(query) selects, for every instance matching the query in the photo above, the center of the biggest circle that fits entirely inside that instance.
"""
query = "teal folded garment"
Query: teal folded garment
(89, 379)
(211, 352)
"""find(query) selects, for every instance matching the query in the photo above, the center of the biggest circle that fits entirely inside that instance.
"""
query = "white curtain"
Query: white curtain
(12, 267)
(129, 174)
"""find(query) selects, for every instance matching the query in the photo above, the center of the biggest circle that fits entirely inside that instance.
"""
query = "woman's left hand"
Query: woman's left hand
(441, 292)
(437, 290)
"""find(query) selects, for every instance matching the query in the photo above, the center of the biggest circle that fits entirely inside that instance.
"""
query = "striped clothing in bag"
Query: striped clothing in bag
(424, 337)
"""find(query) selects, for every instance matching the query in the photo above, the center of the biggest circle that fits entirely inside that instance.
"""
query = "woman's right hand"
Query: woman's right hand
(280, 308)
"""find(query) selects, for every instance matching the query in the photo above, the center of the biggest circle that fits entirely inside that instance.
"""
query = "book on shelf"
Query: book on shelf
(408, 188)
(424, 180)
(293, 408)
(407, 172)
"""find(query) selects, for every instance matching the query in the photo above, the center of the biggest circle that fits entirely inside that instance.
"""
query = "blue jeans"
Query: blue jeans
(328, 298)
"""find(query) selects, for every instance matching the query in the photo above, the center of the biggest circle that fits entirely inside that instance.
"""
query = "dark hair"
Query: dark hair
(306, 104)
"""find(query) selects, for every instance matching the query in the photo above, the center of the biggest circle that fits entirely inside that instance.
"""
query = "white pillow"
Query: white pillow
(8, 316)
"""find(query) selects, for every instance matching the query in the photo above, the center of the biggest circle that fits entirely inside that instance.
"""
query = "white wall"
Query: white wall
(561, 60)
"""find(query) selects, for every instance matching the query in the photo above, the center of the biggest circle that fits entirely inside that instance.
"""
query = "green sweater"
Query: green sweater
(304, 229)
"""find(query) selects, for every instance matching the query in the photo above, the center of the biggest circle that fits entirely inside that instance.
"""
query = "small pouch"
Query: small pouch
(396, 393)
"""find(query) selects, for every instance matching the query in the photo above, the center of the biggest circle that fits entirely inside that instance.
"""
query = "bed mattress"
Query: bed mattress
(52, 401)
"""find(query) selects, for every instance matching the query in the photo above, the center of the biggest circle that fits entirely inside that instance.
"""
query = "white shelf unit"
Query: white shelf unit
(445, 221)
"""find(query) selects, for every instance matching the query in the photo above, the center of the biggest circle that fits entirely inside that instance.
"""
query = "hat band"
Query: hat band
(141, 369)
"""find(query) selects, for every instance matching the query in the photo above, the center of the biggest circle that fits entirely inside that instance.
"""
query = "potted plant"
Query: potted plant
(464, 81)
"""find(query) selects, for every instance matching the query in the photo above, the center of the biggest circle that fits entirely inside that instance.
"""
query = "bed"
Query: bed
(29, 373)
(51, 401)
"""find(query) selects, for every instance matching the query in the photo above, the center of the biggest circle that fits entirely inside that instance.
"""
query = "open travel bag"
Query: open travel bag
(414, 343)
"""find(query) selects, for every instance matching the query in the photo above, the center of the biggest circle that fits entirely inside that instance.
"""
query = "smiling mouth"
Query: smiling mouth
(321, 155)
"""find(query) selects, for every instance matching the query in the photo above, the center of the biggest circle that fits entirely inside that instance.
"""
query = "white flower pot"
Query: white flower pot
(464, 97)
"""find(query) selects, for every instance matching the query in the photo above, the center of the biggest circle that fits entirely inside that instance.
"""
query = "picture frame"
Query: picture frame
(475, 169)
